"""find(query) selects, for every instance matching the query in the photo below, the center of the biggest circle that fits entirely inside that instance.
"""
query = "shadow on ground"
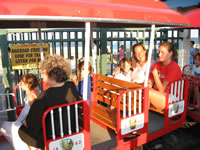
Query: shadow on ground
(180, 139)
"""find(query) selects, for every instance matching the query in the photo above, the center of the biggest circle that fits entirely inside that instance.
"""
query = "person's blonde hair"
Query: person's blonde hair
(57, 67)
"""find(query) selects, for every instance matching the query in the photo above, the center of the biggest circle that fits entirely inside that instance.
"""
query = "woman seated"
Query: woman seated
(139, 64)
(163, 72)
(28, 83)
(55, 71)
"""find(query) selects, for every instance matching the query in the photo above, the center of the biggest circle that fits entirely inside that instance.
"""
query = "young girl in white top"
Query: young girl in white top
(126, 71)
(9, 129)
(196, 72)
(196, 66)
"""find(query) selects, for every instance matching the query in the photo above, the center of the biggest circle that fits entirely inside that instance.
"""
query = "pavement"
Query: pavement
(180, 139)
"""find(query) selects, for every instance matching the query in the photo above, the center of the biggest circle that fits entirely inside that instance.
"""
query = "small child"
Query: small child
(78, 80)
(121, 52)
(196, 66)
(196, 72)
(126, 70)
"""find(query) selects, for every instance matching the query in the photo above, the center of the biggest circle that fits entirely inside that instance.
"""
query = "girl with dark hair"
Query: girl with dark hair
(163, 72)
(126, 70)
(28, 83)
(78, 80)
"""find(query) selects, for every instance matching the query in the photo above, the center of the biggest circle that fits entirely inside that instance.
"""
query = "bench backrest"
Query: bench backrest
(107, 89)
(67, 126)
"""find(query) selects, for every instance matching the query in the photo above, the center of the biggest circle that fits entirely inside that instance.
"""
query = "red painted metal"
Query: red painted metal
(134, 142)
(86, 124)
(142, 138)
(193, 17)
(193, 115)
(146, 10)
(194, 82)
(171, 126)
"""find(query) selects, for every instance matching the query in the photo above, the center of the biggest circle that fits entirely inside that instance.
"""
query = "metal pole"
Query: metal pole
(94, 56)
(40, 39)
(86, 60)
(149, 54)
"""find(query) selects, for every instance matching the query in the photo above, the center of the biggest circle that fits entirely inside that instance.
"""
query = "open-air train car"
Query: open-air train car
(193, 110)
(132, 122)
(194, 81)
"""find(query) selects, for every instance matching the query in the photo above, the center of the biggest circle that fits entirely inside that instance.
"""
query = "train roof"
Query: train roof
(193, 16)
(74, 13)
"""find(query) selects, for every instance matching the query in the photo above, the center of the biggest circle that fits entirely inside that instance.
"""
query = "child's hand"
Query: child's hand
(116, 71)
(75, 80)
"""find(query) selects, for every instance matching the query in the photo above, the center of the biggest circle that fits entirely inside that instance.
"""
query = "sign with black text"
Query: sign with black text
(27, 56)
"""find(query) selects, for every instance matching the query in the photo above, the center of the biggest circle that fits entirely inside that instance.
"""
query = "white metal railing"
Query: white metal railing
(132, 109)
(61, 119)
(176, 92)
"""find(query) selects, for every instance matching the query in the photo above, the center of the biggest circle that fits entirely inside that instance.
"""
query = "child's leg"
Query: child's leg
(157, 99)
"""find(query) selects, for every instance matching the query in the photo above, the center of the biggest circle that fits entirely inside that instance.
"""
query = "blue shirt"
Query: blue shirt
(80, 89)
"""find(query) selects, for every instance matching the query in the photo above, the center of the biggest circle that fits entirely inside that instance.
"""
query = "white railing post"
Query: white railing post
(86, 58)
(61, 123)
(135, 103)
(52, 125)
(69, 120)
(76, 116)
(140, 101)
(124, 105)
(182, 85)
(129, 106)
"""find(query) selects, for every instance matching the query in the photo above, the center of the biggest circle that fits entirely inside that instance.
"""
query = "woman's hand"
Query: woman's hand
(24, 123)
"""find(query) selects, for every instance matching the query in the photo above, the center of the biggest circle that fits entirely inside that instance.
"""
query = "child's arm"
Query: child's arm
(116, 71)
(75, 80)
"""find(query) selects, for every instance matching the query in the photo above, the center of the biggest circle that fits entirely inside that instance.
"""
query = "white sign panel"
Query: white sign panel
(176, 108)
(74, 142)
(131, 124)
